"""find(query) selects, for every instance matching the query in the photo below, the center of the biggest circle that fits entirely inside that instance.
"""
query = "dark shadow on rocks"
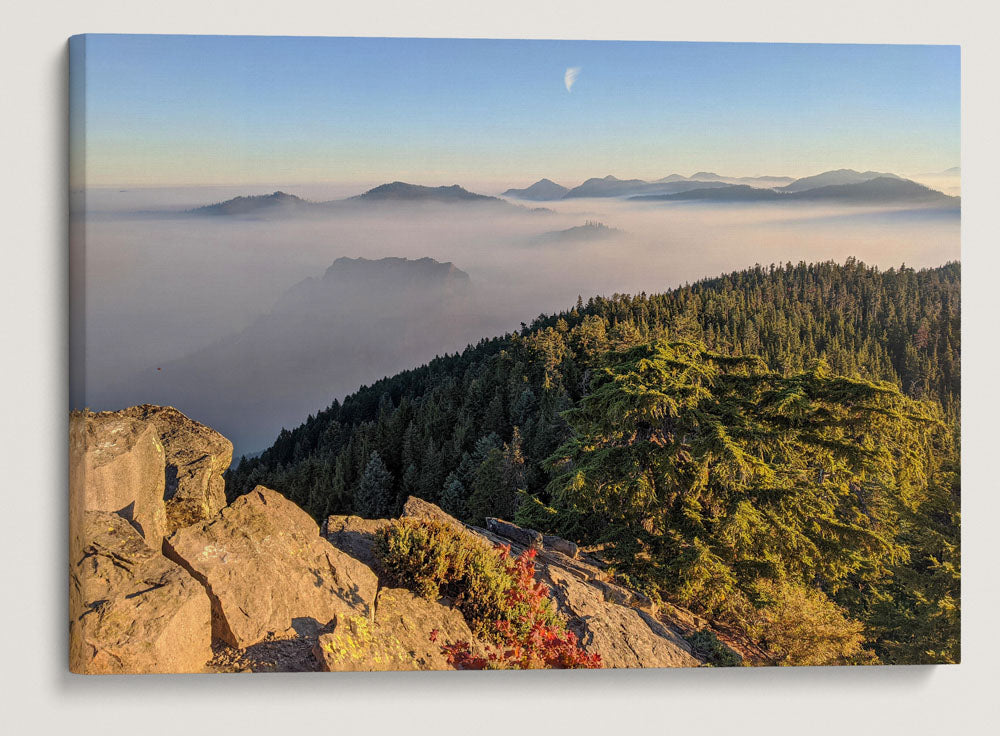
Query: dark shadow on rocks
(307, 626)
(171, 482)
(128, 513)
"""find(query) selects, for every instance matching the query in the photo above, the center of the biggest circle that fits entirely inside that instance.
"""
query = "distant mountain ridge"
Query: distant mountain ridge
(540, 191)
(401, 191)
(880, 190)
(674, 186)
(282, 203)
(278, 201)
(612, 186)
(837, 176)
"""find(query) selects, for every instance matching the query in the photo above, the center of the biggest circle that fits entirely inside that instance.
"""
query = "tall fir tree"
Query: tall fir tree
(374, 494)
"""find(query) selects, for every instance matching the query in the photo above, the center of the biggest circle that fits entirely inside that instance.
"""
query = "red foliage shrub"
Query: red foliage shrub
(530, 643)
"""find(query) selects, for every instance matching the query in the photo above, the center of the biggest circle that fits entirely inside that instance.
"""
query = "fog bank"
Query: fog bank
(160, 288)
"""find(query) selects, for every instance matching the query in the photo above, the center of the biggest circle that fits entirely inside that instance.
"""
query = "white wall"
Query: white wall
(36, 691)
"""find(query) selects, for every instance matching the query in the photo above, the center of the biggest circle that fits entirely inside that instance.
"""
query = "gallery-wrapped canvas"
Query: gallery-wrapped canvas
(454, 354)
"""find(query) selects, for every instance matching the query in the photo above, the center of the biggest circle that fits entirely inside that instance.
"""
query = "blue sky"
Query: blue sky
(218, 110)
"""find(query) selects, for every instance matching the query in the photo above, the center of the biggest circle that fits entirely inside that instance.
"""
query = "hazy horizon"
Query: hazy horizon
(162, 288)
(209, 110)
(947, 181)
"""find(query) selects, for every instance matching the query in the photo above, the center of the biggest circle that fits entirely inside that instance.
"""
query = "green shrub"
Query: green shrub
(423, 556)
(801, 626)
(708, 646)
(434, 559)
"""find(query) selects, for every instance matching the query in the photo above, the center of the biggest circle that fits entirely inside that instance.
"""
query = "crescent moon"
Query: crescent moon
(571, 74)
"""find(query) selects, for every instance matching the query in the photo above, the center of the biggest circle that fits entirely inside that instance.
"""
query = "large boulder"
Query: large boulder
(195, 458)
(117, 465)
(558, 544)
(268, 572)
(400, 638)
(355, 644)
(624, 636)
(418, 508)
(525, 537)
(411, 619)
(132, 611)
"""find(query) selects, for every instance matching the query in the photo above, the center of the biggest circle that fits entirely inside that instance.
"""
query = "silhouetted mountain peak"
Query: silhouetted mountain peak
(255, 203)
(878, 190)
(836, 177)
(590, 230)
(399, 190)
(541, 190)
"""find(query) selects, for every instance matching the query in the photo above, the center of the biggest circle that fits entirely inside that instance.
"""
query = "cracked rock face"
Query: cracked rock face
(195, 457)
(356, 537)
(117, 465)
(268, 572)
(131, 609)
(624, 636)
(398, 639)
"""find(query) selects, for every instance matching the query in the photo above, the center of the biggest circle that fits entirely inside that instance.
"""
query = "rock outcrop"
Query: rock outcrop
(195, 458)
(418, 508)
(525, 537)
(267, 570)
(117, 465)
(410, 619)
(606, 617)
(166, 578)
(558, 544)
(131, 609)
(624, 636)
(398, 639)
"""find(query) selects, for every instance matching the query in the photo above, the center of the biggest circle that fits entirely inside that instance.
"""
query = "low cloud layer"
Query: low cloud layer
(160, 288)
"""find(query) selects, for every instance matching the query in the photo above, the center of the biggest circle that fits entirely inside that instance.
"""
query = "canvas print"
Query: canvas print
(465, 354)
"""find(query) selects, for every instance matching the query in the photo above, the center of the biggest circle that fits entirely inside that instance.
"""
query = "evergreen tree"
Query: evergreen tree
(710, 472)
(487, 497)
(453, 497)
(373, 495)
(916, 618)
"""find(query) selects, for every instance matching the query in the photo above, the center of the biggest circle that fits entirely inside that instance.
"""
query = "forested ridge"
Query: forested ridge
(770, 447)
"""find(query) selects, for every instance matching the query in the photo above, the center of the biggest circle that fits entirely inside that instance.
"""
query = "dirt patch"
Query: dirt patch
(291, 654)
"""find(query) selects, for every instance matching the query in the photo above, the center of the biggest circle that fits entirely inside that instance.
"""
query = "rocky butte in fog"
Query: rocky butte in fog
(324, 337)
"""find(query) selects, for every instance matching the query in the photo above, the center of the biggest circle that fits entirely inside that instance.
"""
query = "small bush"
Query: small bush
(434, 559)
(426, 557)
(497, 595)
(708, 646)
